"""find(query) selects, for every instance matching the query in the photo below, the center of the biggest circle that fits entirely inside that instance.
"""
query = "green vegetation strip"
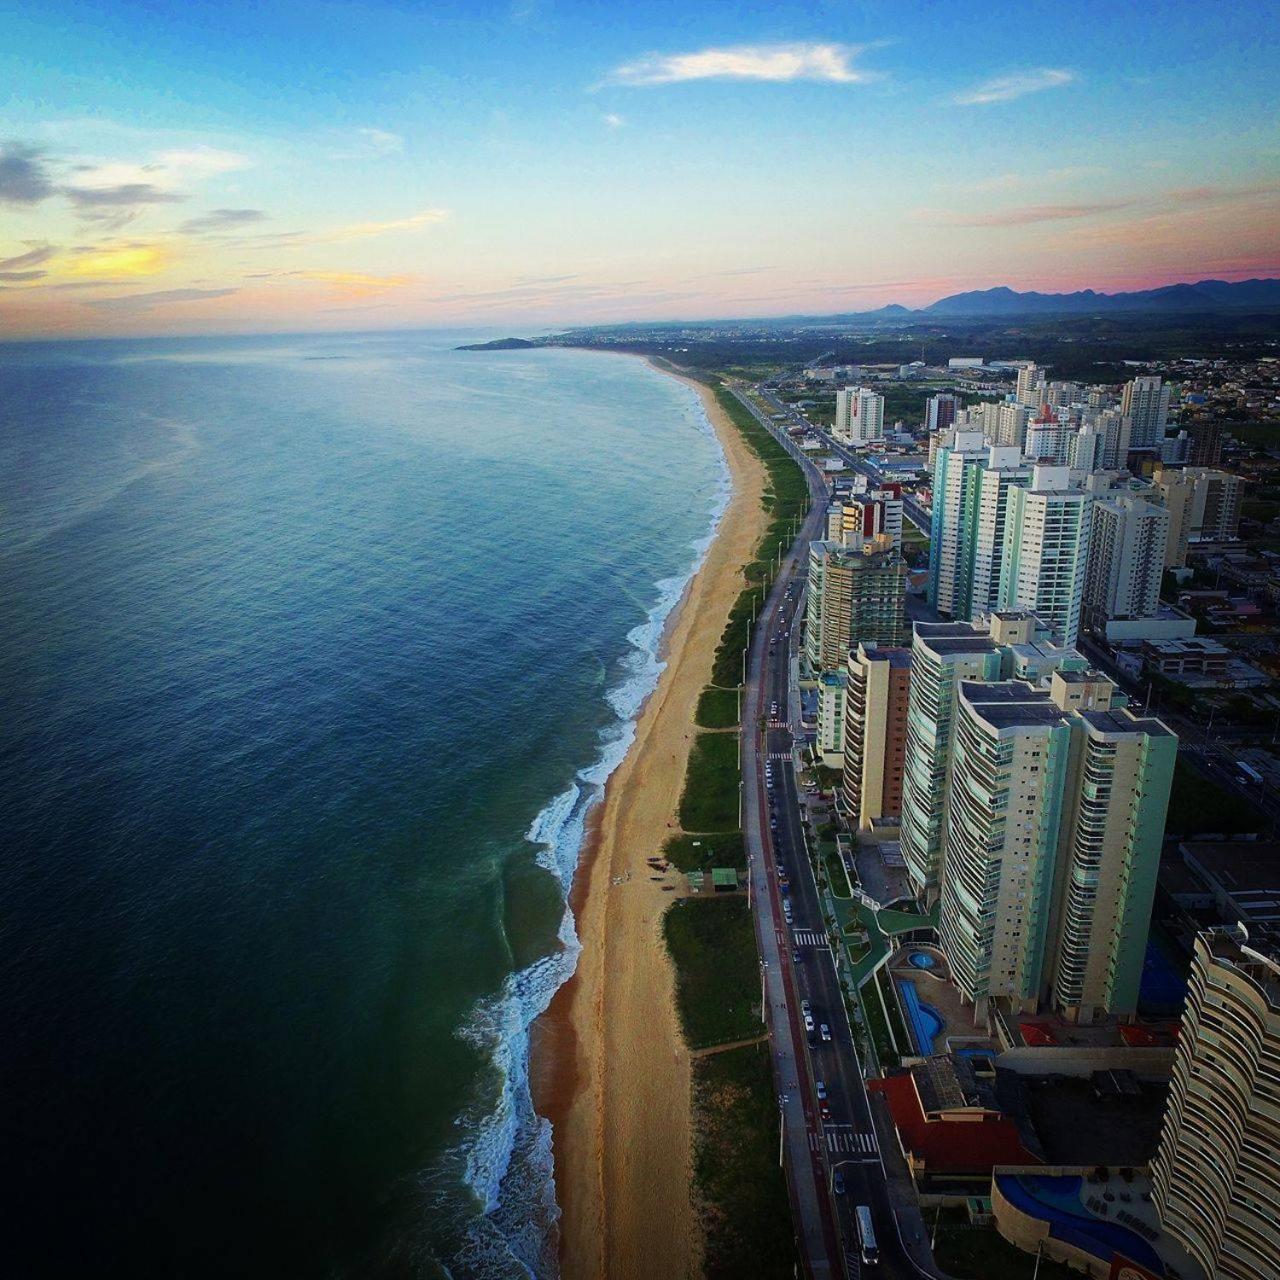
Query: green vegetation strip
(718, 709)
(742, 1197)
(701, 852)
(979, 1253)
(904, 1041)
(713, 947)
(710, 799)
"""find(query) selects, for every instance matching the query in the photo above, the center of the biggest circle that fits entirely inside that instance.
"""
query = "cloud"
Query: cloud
(23, 178)
(1221, 195)
(220, 220)
(612, 121)
(1020, 217)
(34, 257)
(112, 260)
(129, 194)
(831, 63)
(361, 230)
(194, 163)
(381, 141)
(1017, 85)
(161, 297)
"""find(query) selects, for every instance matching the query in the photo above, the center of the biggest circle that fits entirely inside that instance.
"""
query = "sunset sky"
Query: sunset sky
(215, 167)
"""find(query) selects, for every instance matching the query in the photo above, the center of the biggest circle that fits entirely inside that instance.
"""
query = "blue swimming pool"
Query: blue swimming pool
(922, 960)
(925, 1020)
(1056, 1200)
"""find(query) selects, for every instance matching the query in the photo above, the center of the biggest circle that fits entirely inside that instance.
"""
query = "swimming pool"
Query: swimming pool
(922, 960)
(1056, 1200)
(925, 1020)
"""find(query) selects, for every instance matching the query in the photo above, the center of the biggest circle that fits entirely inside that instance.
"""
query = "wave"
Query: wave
(508, 1155)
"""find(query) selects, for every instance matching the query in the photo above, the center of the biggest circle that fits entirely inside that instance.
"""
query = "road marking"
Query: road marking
(809, 938)
(849, 1143)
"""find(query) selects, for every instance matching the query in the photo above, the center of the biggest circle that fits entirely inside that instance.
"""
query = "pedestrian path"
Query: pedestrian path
(809, 938)
(841, 1142)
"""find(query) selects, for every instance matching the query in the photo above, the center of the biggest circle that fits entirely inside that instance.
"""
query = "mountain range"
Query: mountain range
(1204, 295)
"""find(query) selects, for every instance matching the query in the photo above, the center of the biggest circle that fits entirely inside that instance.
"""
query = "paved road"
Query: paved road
(840, 1138)
(855, 461)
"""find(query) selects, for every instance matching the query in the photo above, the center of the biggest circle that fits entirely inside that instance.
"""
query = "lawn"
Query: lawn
(710, 799)
(718, 709)
(702, 852)
(713, 948)
(982, 1253)
(741, 1193)
(873, 1016)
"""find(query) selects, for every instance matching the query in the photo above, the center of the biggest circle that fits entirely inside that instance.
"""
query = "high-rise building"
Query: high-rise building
(1009, 426)
(1048, 438)
(1217, 1168)
(1046, 546)
(867, 515)
(1030, 378)
(1086, 450)
(940, 411)
(1126, 559)
(854, 595)
(1055, 819)
(1006, 536)
(1204, 444)
(1146, 404)
(971, 485)
(875, 731)
(1005, 645)
(831, 717)
(859, 415)
(1116, 430)
(1204, 506)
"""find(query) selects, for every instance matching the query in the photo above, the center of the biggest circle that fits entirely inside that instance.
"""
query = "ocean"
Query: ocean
(314, 653)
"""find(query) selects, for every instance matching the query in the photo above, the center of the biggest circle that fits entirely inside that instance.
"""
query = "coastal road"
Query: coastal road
(853, 460)
(835, 1135)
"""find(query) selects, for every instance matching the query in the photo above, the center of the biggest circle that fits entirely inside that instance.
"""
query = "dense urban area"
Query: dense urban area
(992, 850)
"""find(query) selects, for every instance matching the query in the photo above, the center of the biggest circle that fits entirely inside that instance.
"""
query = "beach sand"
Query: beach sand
(610, 1069)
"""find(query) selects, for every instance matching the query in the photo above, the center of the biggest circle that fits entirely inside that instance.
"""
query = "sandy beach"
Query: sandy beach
(610, 1067)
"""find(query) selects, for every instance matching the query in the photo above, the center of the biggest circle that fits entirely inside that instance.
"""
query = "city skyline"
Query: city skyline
(537, 165)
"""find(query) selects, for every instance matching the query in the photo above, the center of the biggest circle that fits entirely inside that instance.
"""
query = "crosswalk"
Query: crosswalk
(779, 755)
(838, 1142)
(809, 938)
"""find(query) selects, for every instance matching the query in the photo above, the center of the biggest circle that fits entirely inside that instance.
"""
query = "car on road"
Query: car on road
(796, 955)
(805, 1007)
(838, 1182)
(786, 914)
(808, 1025)
(824, 1110)
(825, 1032)
(820, 1088)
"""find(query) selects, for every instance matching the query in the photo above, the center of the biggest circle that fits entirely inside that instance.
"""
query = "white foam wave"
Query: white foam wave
(508, 1153)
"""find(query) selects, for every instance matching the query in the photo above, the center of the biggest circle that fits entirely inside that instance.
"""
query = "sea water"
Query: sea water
(314, 655)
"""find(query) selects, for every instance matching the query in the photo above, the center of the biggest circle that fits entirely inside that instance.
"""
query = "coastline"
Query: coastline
(609, 1066)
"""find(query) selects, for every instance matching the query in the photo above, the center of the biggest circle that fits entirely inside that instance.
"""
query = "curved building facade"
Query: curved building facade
(1217, 1170)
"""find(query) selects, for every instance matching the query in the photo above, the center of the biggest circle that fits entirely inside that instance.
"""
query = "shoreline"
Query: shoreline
(608, 1064)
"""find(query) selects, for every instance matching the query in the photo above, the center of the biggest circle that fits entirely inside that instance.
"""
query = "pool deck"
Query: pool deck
(932, 988)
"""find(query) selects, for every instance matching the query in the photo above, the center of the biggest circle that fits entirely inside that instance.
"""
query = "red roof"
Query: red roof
(950, 1146)
(1036, 1034)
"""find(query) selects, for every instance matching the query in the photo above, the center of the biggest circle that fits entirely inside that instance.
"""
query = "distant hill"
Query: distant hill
(499, 344)
(1205, 295)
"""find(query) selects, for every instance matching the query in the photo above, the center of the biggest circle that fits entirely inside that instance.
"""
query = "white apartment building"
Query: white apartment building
(1146, 404)
(1126, 559)
(859, 415)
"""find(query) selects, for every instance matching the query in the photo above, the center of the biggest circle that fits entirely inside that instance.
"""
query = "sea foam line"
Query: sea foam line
(521, 1212)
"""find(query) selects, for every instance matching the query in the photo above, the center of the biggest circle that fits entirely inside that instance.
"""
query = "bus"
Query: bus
(1248, 773)
(866, 1235)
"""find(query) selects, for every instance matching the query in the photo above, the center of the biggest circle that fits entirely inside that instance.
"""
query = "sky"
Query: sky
(280, 165)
